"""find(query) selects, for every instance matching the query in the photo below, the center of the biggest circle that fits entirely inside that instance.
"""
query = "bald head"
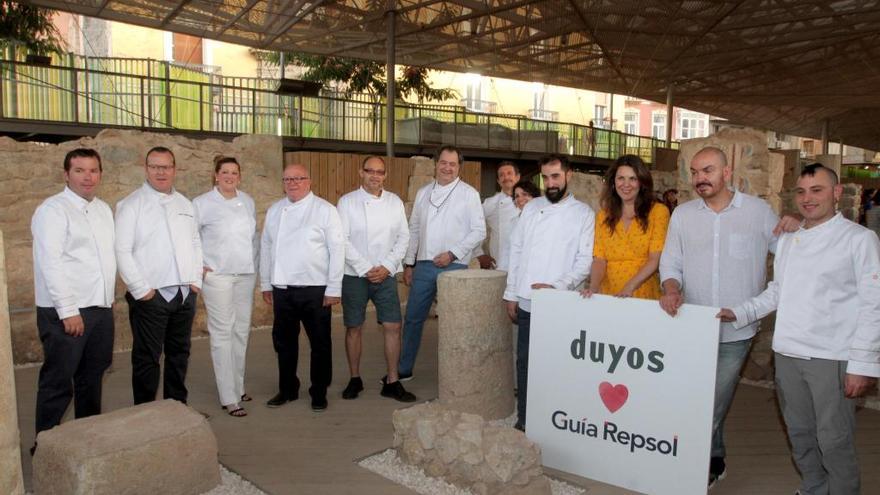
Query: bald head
(710, 174)
(297, 183)
(712, 153)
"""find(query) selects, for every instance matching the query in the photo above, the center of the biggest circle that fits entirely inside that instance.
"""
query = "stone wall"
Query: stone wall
(10, 455)
(30, 172)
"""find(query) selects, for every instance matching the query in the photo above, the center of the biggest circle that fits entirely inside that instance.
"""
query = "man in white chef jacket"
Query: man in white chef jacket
(376, 238)
(302, 260)
(159, 253)
(826, 293)
(551, 247)
(445, 227)
(500, 212)
(74, 280)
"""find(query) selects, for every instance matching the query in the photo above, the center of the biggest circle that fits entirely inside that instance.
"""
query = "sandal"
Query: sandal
(237, 413)
(246, 398)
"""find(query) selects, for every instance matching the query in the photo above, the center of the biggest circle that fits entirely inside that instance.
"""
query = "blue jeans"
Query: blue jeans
(731, 356)
(421, 296)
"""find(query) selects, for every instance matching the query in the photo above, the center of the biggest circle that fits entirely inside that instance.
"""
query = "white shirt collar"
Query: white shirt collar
(439, 188)
(159, 194)
(369, 195)
(303, 201)
(78, 201)
(735, 202)
(220, 195)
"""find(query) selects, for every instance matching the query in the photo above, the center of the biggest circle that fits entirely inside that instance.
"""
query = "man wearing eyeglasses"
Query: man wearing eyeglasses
(159, 254)
(446, 226)
(376, 238)
(302, 258)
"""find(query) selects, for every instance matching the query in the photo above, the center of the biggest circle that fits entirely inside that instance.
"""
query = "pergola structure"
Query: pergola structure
(803, 67)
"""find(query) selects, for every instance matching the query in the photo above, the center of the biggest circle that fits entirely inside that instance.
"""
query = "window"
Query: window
(631, 121)
(599, 116)
(186, 49)
(691, 125)
(658, 125)
(474, 95)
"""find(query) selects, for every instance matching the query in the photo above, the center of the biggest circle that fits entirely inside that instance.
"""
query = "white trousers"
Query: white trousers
(229, 300)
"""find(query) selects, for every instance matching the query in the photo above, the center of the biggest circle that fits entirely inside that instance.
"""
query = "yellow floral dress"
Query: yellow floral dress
(627, 251)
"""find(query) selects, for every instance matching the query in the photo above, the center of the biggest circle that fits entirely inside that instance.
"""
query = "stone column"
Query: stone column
(10, 455)
(475, 343)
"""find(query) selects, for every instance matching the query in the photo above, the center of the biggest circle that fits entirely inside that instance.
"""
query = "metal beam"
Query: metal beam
(173, 13)
(390, 75)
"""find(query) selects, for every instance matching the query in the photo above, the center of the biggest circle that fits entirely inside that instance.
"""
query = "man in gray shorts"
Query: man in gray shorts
(376, 238)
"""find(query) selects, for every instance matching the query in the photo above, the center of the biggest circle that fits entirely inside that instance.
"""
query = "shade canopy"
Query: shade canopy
(784, 65)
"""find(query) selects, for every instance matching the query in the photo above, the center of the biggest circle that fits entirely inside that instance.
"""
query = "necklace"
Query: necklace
(431, 196)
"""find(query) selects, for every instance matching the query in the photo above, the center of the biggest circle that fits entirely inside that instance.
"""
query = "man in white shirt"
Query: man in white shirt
(74, 279)
(302, 260)
(716, 253)
(160, 260)
(376, 238)
(445, 227)
(551, 247)
(500, 213)
(826, 293)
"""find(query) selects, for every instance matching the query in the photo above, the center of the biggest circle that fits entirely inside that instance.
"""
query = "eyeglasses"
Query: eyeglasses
(160, 168)
(371, 171)
(294, 180)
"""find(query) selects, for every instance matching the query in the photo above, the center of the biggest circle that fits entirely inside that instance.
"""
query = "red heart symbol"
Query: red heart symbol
(613, 396)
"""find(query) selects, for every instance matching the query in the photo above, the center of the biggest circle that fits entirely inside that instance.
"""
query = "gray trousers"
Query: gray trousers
(821, 424)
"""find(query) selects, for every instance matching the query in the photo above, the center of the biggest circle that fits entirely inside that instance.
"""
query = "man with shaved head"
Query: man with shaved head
(716, 255)
(826, 294)
(302, 258)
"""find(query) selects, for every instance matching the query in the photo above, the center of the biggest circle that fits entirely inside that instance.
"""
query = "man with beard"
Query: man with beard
(826, 293)
(500, 213)
(550, 247)
(716, 251)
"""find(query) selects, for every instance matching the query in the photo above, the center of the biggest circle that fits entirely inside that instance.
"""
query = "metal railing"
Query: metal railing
(149, 97)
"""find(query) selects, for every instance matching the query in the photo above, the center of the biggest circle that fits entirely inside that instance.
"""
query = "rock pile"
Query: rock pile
(468, 452)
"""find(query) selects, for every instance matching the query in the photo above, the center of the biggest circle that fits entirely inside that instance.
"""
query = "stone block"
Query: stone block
(160, 447)
(467, 451)
(587, 188)
(416, 182)
(10, 456)
(423, 165)
(475, 362)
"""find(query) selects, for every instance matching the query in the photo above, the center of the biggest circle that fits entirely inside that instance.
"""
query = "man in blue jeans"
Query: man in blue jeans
(445, 226)
(716, 255)
(550, 247)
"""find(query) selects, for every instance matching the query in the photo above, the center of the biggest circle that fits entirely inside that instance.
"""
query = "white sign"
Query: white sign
(622, 393)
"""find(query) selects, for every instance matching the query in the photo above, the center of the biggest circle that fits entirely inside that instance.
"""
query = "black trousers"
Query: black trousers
(73, 367)
(156, 326)
(291, 307)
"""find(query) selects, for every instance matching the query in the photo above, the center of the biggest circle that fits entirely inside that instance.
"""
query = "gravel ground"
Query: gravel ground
(233, 484)
(388, 465)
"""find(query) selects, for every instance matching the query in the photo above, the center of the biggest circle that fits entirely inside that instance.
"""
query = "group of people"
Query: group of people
(312, 255)
(712, 251)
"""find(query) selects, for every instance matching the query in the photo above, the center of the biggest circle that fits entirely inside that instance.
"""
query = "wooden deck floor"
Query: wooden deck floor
(292, 450)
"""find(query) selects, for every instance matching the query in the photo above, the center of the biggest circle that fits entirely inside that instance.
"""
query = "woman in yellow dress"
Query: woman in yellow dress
(630, 232)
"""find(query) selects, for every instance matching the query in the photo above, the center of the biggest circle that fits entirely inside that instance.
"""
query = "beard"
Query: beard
(555, 194)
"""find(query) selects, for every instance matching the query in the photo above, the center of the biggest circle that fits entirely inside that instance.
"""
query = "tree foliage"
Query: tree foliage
(28, 26)
(362, 76)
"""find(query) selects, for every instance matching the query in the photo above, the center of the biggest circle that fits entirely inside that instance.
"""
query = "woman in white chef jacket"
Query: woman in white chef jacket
(228, 226)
